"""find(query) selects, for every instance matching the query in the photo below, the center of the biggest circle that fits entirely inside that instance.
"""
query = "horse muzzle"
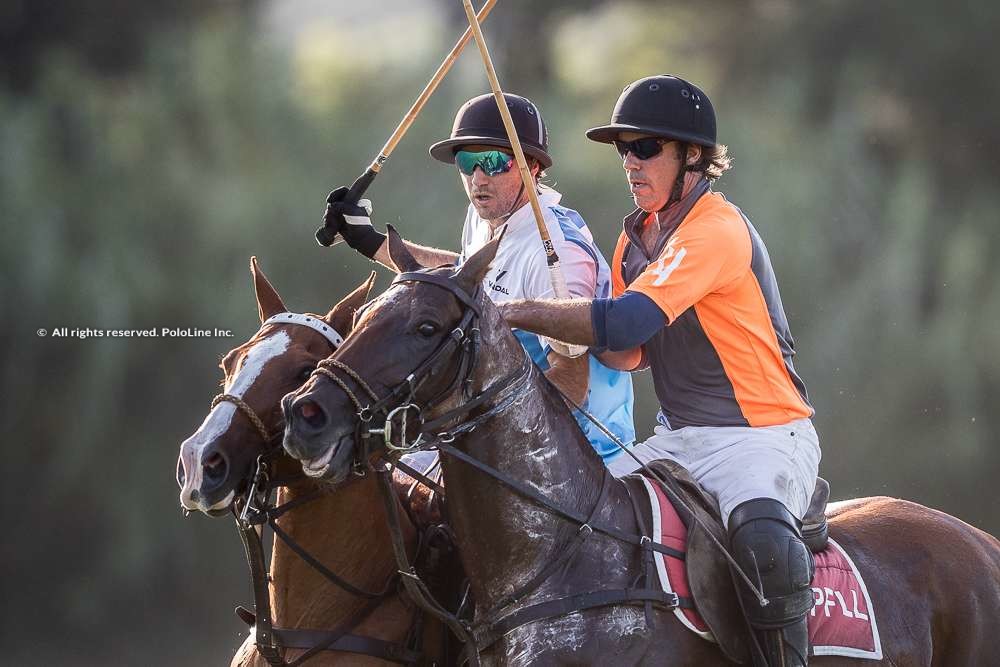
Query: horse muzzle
(310, 437)
(204, 476)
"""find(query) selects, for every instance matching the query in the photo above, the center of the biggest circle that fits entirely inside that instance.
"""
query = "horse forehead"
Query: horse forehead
(255, 359)
(395, 298)
(407, 298)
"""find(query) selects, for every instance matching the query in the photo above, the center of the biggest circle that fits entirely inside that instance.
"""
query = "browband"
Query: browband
(311, 321)
(446, 282)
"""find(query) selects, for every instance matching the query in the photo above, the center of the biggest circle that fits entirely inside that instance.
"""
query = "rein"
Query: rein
(271, 641)
(401, 400)
(258, 510)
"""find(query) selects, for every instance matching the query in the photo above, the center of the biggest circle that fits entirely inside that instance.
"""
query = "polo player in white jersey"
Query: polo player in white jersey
(479, 147)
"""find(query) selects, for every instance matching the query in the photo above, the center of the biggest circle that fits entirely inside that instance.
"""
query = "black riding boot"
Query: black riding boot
(765, 541)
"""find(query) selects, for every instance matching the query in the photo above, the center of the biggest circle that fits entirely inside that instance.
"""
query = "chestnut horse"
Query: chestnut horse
(934, 580)
(344, 531)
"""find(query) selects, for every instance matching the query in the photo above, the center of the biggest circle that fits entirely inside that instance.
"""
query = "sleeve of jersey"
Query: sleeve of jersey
(699, 259)
(625, 322)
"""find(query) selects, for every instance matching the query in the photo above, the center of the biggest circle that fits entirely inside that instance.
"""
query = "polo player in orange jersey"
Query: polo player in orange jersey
(696, 301)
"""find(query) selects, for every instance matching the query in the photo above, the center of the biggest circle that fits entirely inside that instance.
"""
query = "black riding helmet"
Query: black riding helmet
(663, 106)
(478, 121)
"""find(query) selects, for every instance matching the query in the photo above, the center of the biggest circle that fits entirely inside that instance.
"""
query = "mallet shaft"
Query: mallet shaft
(360, 185)
(429, 89)
(515, 142)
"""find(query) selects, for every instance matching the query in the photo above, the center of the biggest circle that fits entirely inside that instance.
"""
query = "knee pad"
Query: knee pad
(765, 541)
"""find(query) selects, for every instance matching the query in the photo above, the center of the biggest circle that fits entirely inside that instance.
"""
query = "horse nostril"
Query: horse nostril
(215, 467)
(180, 473)
(312, 414)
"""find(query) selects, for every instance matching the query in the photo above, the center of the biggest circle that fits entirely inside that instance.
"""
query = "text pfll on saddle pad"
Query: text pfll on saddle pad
(842, 620)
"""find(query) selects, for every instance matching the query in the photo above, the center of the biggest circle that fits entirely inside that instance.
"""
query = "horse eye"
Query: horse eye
(427, 329)
(305, 373)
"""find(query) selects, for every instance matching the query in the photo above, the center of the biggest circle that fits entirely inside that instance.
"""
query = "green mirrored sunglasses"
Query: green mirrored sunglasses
(491, 162)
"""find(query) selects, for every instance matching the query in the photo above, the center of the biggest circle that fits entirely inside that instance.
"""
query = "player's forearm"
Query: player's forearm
(426, 256)
(570, 375)
(567, 320)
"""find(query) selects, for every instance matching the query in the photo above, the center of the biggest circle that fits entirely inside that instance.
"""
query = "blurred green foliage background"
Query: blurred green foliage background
(149, 149)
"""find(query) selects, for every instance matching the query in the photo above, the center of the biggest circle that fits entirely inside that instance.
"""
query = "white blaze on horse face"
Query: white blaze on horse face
(220, 418)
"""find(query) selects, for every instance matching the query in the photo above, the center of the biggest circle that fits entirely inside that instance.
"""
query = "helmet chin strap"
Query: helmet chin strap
(514, 206)
(678, 188)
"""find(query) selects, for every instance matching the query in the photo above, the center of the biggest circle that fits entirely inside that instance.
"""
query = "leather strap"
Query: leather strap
(445, 282)
(567, 513)
(334, 635)
(327, 572)
(563, 558)
(574, 603)
(648, 567)
(509, 385)
(377, 648)
(420, 477)
(263, 637)
(412, 582)
(271, 641)
(313, 322)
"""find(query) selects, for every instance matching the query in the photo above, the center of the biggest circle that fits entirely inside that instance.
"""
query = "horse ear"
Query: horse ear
(474, 269)
(268, 301)
(399, 253)
(341, 316)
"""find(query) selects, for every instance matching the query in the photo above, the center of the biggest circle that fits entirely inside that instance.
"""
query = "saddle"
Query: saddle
(709, 575)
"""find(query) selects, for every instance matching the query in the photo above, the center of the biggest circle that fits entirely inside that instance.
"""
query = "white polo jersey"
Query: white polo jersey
(519, 271)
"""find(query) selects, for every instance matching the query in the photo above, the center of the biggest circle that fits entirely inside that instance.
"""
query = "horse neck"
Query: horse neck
(346, 531)
(503, 536)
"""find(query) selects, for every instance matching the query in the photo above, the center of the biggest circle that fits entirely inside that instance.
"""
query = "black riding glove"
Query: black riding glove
(353, 222)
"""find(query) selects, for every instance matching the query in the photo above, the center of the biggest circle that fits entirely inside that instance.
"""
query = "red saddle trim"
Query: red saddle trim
(842, 621)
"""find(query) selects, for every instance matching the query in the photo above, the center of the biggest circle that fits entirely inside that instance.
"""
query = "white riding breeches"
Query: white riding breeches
(739, 463)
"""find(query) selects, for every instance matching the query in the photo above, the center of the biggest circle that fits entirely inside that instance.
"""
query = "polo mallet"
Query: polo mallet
(324, 236)
(551, 258)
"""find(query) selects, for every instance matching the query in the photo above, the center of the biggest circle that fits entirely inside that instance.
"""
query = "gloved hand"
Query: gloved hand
(352, 221)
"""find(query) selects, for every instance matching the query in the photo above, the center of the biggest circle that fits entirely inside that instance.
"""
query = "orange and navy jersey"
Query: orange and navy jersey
(725, 356)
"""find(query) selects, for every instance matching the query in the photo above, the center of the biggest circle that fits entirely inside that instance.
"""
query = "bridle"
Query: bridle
(400, 403)
(316, 324)
(258, 510)
(440, 433)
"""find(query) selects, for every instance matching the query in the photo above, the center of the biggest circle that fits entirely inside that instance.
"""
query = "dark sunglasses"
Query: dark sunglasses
(643, 148)
(491, 162)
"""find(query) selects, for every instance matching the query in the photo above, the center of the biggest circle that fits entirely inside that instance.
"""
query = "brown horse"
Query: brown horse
(344, 531)
(544, 524)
